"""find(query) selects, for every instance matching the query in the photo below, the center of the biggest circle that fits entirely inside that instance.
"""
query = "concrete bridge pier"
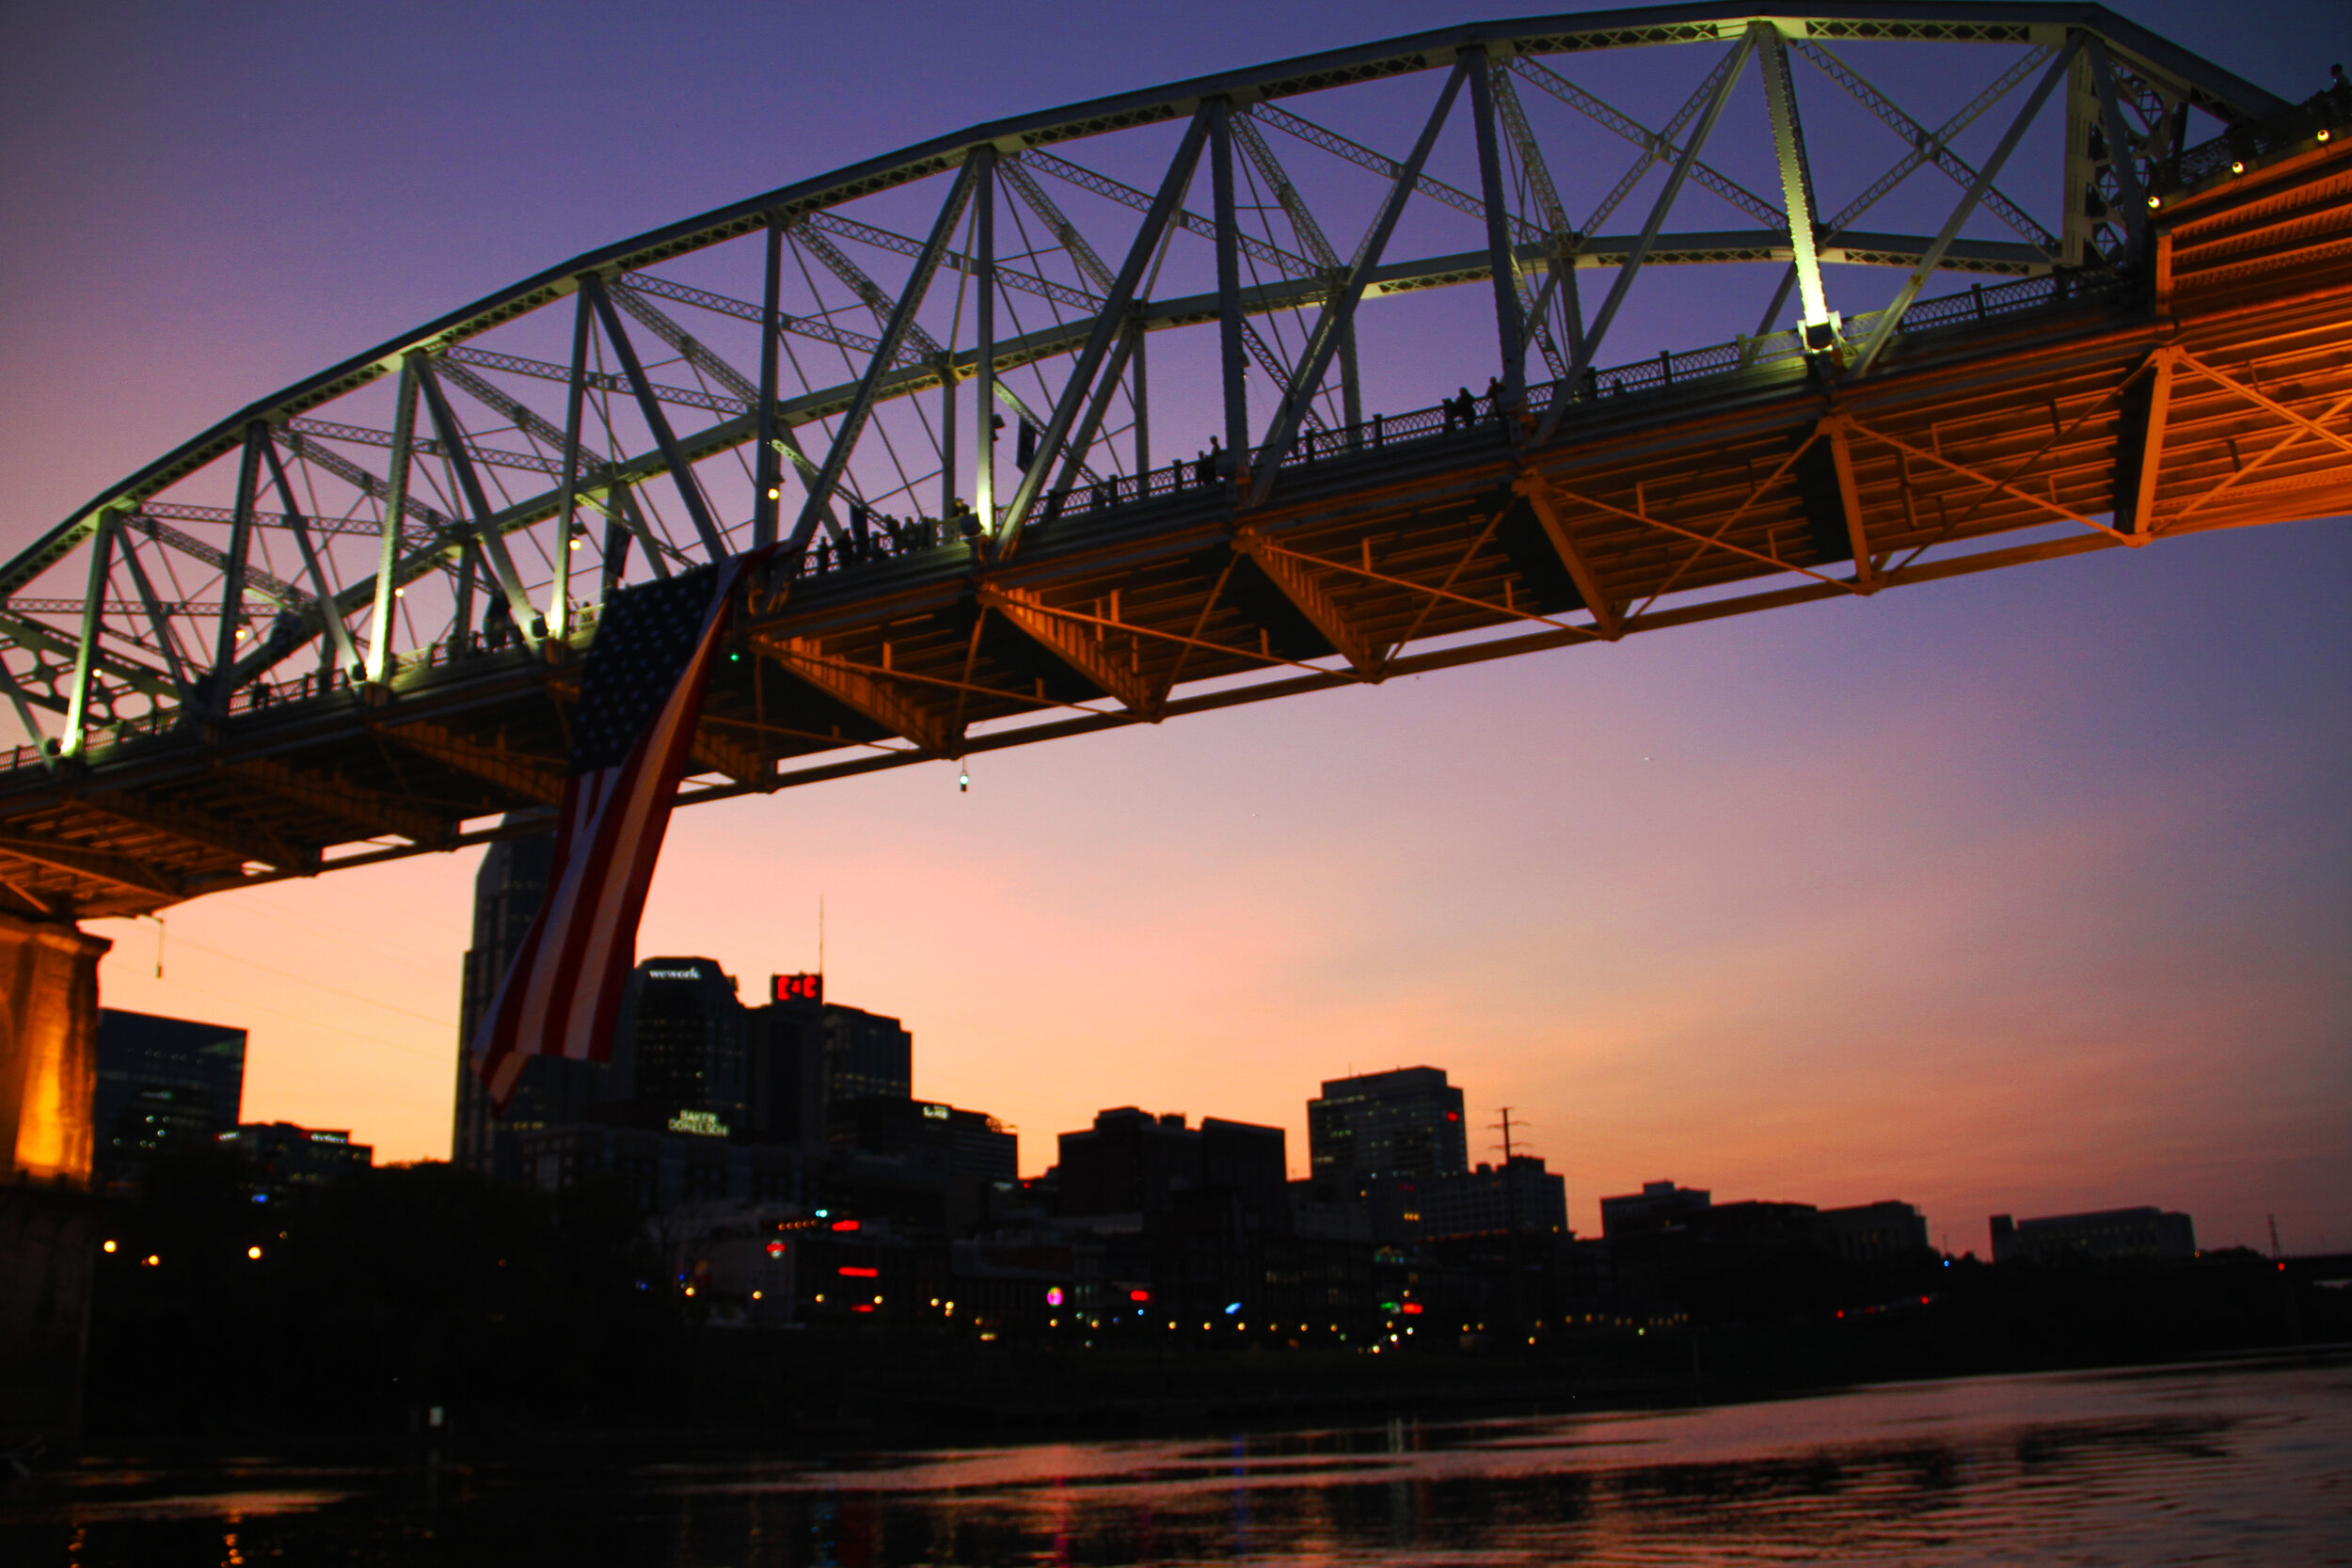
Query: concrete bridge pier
(49, 1218)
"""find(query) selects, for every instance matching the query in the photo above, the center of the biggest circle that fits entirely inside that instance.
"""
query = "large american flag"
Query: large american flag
(640, 699)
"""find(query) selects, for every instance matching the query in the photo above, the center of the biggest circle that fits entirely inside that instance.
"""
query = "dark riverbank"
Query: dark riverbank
(523, 1317)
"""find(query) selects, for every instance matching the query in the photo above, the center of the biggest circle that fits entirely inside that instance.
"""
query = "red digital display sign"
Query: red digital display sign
(797, 987)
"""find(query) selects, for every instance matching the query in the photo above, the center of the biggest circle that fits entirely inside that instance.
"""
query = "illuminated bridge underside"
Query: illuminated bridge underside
(2194, 379)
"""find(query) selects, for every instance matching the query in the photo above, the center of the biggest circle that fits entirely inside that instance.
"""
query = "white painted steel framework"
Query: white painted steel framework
(935, 350)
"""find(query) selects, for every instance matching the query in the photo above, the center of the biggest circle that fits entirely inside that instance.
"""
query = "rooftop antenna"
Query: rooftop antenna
(2274, 1238)
(820, 934)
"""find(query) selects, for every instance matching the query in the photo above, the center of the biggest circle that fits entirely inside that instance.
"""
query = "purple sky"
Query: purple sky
(2024, 893)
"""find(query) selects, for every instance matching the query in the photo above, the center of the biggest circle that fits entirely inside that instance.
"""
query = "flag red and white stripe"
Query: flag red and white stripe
(641, 699)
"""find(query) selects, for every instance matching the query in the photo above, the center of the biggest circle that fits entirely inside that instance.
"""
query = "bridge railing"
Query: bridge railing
(2327, 112)
(1769, 354)
(875, 536)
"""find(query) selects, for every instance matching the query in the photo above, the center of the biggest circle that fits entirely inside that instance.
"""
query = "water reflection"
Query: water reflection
(2246, 1462)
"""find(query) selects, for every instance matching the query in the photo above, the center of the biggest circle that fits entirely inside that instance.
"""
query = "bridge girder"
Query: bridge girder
(1104, 586)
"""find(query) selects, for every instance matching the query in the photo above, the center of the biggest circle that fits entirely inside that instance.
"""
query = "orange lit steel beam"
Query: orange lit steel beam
(1444, 590)
(204, 828)
(790, 734)
(2002, 487)
(96, 865)
(847, 684)
(345, 802)
(2305, 427)
(1042, 624)
(2056, 436)
(1194, 641)
(1581, 571)
(1507, 612)
(1833, 430)
(1758, 556)
(718, 753)
(494, 766)
(1729, 523)
(2310, 425)
(31, 899)
(1088, 721)
(2261, 459)
(1200, 621)
(1314, 602)
(2139, 444)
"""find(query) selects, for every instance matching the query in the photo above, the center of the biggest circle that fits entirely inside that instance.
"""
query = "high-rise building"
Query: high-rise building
(678, 1045)
(1657, 1206)
(688, 1056)
(970, 1143)
(163, 1083)
(1406, 1123)
(550, 1091)
(1518, 1197)
(1133, 1162)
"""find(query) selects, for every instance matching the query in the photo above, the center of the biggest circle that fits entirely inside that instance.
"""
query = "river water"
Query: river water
(2245, 1462)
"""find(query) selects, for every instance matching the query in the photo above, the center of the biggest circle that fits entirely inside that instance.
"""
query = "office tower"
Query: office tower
(1518, 1196)
(679, 1043)
(551, 1092)
(1406, 1123)
(969, 1143)
(1133, 1162)
(857, 1055)
(163, 1083)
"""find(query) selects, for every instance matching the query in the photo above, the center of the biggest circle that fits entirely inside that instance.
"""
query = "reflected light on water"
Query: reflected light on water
(2248, 1462)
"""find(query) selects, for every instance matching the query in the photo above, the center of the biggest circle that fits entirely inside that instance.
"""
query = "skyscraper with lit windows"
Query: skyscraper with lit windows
(1406, 1123)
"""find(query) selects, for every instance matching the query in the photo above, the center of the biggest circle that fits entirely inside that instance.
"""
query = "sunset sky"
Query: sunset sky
(2025, 893)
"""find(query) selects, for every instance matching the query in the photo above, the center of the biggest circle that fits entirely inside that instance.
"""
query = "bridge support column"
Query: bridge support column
(49, 1219)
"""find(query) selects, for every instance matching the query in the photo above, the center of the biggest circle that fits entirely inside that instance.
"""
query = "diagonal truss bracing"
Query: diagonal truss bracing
(802, 369)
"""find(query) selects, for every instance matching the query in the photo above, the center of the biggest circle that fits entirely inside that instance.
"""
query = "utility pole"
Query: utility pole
(1510, 1193)
(1513, 1248)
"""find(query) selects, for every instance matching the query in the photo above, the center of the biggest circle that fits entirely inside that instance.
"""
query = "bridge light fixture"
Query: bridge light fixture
(775, 493)
(2237, 166)
(2155, 202)
(254, 1253)
(2323, 133)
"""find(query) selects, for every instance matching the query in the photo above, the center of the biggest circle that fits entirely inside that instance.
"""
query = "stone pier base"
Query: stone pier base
(49, 1221)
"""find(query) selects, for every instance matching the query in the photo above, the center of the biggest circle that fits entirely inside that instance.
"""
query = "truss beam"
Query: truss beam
(533, 778)
(1892, 317)
(1094, 657)
(931, 731)
(373, 814)
(203, 830)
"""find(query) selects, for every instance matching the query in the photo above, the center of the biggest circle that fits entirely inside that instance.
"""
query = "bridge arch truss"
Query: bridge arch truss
(1147, 404)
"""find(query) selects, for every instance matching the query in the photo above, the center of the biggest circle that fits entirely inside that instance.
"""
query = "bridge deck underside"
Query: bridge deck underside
(2210, 399)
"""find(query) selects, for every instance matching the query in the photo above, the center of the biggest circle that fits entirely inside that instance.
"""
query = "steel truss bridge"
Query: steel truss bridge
(2097, 296)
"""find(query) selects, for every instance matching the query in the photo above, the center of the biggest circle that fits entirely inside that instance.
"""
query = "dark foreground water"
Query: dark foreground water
(2244, 1462)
